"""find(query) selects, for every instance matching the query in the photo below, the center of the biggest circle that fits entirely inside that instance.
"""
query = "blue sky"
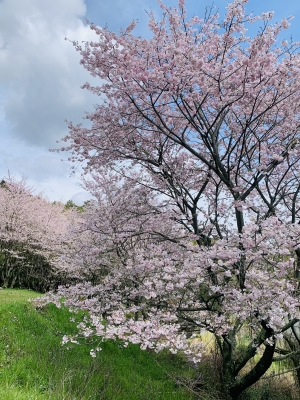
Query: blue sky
(40, 76)
(119, 13)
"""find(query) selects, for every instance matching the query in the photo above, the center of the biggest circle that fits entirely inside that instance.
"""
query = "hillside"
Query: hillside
(34, 365)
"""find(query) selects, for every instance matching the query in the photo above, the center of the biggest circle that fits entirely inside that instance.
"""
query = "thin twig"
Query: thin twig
(280, 373)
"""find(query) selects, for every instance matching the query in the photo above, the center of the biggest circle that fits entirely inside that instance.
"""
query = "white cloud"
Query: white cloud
(80, 197)
(40, 79)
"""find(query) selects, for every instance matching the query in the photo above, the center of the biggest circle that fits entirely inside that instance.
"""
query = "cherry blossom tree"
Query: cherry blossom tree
(123, 218)
(204, 121)
(32, 237)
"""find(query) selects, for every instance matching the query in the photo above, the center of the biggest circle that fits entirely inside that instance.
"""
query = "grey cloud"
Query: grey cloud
(40, 72)
(31, 161)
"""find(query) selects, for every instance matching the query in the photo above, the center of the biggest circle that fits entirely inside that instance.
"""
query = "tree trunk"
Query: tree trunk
(240, 384)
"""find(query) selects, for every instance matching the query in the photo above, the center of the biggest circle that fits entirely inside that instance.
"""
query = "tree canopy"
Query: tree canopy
(195, 155)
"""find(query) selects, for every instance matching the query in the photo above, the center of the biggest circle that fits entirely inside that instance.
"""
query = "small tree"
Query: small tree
(207, 119)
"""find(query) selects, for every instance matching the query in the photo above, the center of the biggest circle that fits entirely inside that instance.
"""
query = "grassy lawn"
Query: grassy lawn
(34, 365)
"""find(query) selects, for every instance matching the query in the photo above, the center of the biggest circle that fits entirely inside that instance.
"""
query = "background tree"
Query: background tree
(32, 238)
(120, 220)
(206, 118)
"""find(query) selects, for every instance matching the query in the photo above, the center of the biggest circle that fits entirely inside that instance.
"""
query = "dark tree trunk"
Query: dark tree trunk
(241, 384)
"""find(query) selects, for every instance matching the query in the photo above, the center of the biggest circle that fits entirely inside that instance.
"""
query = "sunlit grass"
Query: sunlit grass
(34, 364)
(16, 296)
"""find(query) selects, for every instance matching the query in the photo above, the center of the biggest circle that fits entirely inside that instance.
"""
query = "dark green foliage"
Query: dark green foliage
(21, 268)
(269, 391)
(70, 204)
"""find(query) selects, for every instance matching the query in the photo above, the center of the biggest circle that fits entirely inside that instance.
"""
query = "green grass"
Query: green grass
(34, 365)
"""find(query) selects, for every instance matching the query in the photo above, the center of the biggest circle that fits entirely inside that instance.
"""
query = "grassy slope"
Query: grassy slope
(34, 365)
